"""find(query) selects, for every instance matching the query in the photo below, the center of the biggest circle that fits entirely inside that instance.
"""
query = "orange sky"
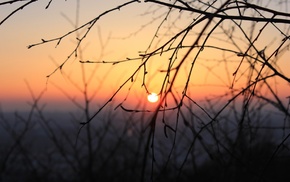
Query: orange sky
(18, 63)
(33, 65)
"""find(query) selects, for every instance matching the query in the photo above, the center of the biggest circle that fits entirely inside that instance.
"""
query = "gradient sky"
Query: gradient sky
(20, 65)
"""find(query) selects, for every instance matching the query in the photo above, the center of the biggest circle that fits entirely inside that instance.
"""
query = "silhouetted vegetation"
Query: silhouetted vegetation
(238, 131)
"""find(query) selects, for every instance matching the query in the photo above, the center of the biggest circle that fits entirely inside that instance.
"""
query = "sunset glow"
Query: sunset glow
(212, 74)
(142, 90)
(152, 97)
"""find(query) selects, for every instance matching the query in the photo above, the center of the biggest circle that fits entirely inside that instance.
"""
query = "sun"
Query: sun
(152, 97)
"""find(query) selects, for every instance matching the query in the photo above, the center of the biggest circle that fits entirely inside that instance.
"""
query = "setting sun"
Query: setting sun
(152, 97)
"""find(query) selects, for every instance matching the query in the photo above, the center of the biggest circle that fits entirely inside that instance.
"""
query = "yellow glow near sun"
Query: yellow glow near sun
(152, 97)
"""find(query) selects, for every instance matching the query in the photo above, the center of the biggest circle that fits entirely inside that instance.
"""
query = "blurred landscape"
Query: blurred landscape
(54, 146)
